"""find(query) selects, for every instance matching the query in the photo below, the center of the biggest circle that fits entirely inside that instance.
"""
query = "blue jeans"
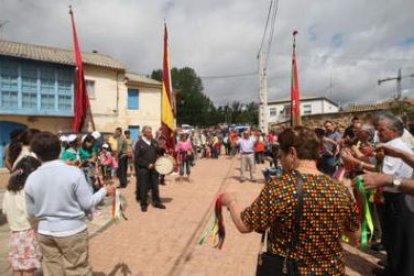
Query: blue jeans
(187, 166)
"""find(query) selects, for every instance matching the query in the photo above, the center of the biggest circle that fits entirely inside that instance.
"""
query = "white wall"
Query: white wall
(318, 106)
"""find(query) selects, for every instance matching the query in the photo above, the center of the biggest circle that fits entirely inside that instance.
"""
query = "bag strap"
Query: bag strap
(298, 212)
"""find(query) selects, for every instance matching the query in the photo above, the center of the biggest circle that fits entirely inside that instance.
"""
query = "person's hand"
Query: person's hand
(389, 150)
(227, 198)
(110, 190)
(347, 156)
(150, 166)
(376, 180)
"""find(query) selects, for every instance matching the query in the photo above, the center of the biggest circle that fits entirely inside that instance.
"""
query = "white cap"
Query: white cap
(72, 138)
(96, 135)
(63, 138)
(105, 146)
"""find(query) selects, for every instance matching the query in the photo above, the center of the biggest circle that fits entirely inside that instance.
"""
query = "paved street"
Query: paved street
(164, 242)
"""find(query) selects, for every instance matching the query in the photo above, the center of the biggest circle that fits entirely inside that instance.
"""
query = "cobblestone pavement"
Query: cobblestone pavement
(164, 242)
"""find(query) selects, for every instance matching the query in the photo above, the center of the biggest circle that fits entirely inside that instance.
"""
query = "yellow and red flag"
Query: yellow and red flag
(81, 96)
(294, 88)
(167, 99)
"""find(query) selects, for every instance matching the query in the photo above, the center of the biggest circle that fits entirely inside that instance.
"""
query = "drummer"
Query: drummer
(146, 152)
(185, 153)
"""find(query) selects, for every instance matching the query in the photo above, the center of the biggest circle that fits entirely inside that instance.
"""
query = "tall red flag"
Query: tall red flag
(167, 100)
(294, 88)
(81, 95)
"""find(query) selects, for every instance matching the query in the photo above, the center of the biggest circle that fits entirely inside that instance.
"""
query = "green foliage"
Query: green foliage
(195, 108)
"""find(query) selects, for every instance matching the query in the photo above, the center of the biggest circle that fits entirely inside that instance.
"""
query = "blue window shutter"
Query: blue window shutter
(133, 99)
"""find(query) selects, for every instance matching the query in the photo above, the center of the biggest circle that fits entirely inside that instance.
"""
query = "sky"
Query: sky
(343, 47)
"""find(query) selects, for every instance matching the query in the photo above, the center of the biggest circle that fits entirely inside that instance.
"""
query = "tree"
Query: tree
(193, 106)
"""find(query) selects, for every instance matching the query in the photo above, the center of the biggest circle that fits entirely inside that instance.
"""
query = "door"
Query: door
(135, 132)
(6, 128)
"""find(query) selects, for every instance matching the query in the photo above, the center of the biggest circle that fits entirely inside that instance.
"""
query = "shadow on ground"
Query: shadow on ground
(119, 269)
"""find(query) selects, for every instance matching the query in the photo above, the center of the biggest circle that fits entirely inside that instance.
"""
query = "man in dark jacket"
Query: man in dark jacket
(146, 152)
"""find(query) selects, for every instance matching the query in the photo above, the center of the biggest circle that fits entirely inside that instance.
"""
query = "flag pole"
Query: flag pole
(82, 105)
(295, 98)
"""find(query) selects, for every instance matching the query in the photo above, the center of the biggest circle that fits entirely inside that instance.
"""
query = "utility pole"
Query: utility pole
(398, 78)
(263, 112)
(263, 57)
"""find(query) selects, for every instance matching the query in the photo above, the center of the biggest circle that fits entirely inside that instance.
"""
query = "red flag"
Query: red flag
(167, 111)
(294, 88)
(81, 95)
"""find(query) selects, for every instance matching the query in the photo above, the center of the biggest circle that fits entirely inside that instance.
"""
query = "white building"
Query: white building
(279, 111)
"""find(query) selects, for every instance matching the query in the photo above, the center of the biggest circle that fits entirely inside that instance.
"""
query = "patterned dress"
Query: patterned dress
(328, 211)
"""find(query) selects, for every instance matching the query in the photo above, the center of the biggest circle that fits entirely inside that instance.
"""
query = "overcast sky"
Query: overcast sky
(343, 47)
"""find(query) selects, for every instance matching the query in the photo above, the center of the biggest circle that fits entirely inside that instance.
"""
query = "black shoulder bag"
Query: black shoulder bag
(269, 264)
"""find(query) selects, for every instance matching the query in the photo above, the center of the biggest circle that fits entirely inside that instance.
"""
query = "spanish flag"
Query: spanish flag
(167, 99)
(81, 95)
(294, 88)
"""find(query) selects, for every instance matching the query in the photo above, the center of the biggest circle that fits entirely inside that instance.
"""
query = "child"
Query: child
(87, 156)
(71, 154)
(106, 162)
(24, 253)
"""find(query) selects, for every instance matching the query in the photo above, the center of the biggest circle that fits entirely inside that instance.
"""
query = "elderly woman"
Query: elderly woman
(328, 210)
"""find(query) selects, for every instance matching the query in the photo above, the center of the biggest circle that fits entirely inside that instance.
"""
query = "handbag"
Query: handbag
(271, 264)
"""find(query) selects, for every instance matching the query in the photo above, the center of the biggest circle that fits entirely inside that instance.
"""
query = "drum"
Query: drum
(164, 165)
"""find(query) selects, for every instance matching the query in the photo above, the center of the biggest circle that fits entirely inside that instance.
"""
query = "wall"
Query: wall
(52, 124)
(109, 105)
(317, 107)
(149, 112)
(341, 119)
(110, 112)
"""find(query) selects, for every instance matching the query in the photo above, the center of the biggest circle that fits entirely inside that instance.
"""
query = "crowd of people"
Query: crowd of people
(307, 206)
(312, 203)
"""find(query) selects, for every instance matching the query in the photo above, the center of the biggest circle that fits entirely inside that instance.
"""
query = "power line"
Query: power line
(230, 76)
(272, 29)
(346, 57)
(267, 24)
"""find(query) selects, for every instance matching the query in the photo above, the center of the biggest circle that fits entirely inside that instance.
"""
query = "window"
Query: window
(133, 99)
(47, 88)
(90, 88)
(9, 85)
(307, 109)
(31, 88)
(65, 92)
(273, 111)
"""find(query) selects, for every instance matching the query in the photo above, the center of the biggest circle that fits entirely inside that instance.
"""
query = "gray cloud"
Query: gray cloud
(343, 47)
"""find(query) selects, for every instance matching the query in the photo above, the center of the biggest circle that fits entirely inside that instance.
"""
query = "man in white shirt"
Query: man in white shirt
(246, 144)
(397, 219)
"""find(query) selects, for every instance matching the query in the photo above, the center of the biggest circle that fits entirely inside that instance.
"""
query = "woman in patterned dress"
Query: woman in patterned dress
(329, 209)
